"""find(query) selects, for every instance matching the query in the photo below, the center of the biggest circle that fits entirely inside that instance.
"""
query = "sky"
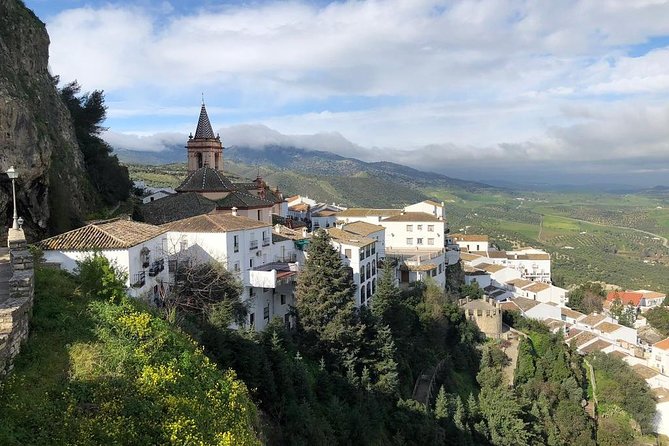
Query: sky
(571, 92)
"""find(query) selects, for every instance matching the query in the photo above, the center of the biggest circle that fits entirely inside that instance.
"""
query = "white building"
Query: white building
(659, 357)
(376, 232)
(428, 207)
(533, 309)
(245, 247)
(533, 264)
(361, 255)
(471, 242)
(138, 249)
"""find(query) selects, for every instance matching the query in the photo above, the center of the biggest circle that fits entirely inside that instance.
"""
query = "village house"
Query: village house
(137, 249)
(245, 247)
(471, 242)
(642, 300)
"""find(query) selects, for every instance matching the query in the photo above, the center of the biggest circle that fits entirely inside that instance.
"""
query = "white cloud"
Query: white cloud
(425, 81)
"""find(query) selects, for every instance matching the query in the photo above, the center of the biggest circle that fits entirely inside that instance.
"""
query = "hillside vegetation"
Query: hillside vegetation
(100, 368)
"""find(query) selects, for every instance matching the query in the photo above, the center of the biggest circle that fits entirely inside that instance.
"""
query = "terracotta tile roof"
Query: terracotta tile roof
(509, 306)
(362, 228)
(607, 327)
(651, 294)
(568, 312)
(572, 332)
(598, 345)
(469, 257)
(495, 254)
(413, 216)
(348, 238)
(176, 207)
(368, 212)
(583, 338)
(554, 323)
(662, 345)
(490, 267)
(592, 319)
(326, 213)
(116, 234)
(478, 304)
(519, 283)
(206, 179)
(627, 297)
(537, 287)
(524, 303)
(423, 267)
(470, 237)
(618, 354)
(644, 371)
(299, 207)
(217, 222)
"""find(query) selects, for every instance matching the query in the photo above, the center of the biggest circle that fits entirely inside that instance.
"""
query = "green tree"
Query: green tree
(441, 410)
(325, 306)
(88, 111)
(387, 293)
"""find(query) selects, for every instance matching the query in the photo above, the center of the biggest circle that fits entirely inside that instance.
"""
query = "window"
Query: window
(283, 299)
(434, 272)
(250, 263)
(362, 274)
(419, 241)
(145, 257)
(373, 286)
(252, 319)
(440, 268)
(369, 271)
(477, 248)
(362, 295)
(235, 242)
(236, 266)
(259, 215)
(373, 267)
(430, 241)
(183, 244)
(347, 253)
(369, 289)
(409, 228)
(409, 241)
(430, 228)
(374, 249)
(286, 320)
(368, 251)
(419, 227)
(266, 313)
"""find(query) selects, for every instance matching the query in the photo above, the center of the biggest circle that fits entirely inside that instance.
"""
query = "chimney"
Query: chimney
(403, 212)
(304, 232)
(234, 211)
(277, 228)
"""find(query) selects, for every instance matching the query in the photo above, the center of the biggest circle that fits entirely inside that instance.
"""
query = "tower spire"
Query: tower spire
(204, 129)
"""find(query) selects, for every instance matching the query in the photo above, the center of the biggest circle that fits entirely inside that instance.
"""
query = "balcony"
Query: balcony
(253, 244)
(272, 275)
(139, 280)
(266, 241)
(157, 267)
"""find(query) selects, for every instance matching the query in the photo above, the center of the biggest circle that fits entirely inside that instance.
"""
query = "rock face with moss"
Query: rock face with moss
(36, 133)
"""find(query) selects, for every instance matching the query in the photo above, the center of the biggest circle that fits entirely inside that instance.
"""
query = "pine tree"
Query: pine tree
(325, 304)
(387, 293)
(386, 366)
(441, 405)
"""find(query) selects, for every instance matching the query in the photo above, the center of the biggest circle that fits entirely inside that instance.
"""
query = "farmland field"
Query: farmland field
(590, 236)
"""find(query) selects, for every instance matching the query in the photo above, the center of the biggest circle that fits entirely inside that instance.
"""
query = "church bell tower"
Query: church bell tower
(204, 149)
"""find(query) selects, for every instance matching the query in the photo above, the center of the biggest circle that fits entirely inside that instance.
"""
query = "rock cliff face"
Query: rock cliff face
(36, 133)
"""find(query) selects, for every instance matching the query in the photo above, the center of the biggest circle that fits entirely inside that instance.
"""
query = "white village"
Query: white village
(262, 237)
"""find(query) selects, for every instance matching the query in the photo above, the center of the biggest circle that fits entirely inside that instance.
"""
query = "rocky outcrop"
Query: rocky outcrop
(36, 133)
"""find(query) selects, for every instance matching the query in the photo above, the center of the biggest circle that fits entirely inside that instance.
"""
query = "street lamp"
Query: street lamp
(13, 175)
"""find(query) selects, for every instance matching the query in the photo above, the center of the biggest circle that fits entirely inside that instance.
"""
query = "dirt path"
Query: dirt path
(512, 352)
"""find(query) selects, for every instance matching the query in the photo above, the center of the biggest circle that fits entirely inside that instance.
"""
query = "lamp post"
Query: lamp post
(13, 174)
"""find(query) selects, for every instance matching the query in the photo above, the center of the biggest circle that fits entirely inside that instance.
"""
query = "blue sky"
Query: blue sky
(573, 90)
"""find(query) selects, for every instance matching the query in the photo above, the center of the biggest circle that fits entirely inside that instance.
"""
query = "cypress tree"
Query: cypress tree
(441, 405)
(386, 366)
(325, 303)
(387, 293)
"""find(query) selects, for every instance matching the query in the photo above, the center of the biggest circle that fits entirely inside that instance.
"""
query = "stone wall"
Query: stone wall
(16, 308)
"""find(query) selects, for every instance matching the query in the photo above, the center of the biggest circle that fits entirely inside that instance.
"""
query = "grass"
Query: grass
(96, 372)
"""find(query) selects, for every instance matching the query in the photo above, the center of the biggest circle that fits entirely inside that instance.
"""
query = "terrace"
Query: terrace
(273, 275)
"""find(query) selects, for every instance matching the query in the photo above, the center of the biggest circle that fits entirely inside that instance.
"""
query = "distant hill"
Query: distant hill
(322, 175)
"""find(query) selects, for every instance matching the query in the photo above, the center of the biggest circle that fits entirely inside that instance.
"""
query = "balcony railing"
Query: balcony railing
(157, 267)
(266, 241)
(139, 280)
(253, 244)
